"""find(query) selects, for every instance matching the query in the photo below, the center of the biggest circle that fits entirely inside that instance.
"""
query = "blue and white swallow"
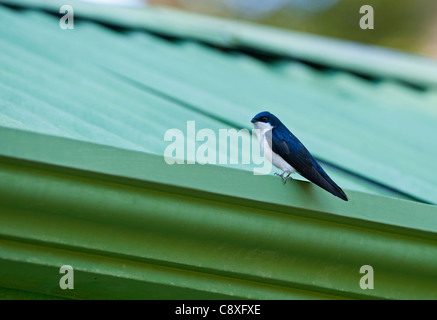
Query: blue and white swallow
(288, 154)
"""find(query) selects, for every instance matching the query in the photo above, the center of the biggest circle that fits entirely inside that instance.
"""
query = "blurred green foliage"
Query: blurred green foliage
(409, 25)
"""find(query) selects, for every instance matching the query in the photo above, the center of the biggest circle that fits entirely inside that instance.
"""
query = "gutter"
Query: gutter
(132, 226)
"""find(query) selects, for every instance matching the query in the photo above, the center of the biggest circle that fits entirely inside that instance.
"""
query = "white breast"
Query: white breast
(265, 131)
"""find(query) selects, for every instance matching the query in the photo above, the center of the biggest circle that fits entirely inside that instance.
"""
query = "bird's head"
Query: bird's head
(265, 120)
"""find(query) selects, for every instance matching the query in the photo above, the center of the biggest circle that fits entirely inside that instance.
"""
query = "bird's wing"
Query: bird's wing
(285, 144)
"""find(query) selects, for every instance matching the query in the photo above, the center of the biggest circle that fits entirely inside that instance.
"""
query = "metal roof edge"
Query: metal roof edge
(368, 60)
(218, 181)
(13, 294)
(129, 231)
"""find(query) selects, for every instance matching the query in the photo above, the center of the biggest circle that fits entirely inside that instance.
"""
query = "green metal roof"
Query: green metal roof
(153, 231)
(130, 78)
(83, 114)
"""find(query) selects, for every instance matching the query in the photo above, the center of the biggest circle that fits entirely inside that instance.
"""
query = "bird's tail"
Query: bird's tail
(339, 192)
(329, 185)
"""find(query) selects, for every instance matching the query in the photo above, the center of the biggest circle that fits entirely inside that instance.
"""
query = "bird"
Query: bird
(288, 154)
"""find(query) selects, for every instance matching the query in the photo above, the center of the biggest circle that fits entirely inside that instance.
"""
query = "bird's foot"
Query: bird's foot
(284, 179)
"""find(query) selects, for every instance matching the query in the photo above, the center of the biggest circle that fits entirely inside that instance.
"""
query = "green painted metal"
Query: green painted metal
(369, 60)
(11, 294)
(141, 77)
(83, 182)
(134, 227)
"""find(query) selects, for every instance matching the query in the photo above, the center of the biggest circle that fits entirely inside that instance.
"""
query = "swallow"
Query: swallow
(288, 154)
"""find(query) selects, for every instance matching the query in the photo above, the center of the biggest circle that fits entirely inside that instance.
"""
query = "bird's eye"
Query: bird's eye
(264, 119)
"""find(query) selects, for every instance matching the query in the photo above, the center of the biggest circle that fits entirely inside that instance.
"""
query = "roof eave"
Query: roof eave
(125, 219)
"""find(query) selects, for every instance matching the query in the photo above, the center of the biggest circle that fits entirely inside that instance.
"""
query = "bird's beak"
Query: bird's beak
(253, 120)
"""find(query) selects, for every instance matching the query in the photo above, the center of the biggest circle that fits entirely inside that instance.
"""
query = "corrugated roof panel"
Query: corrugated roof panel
(369, 60)
(75, 193)
(125, 218)
(144, 71)
(108, 94)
